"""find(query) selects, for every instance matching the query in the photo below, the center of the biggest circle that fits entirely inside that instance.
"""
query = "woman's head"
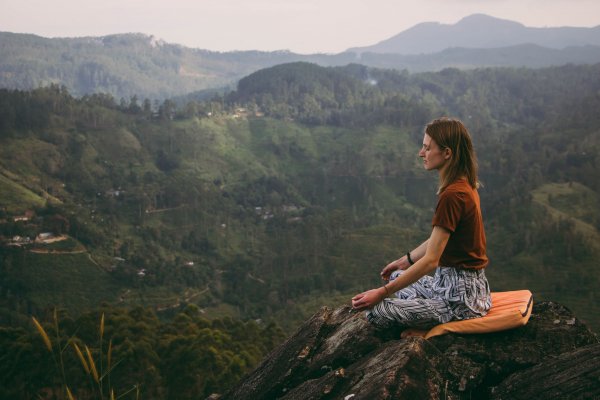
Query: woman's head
(447, 147)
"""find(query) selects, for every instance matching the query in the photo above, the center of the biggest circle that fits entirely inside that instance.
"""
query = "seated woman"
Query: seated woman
(456, 249)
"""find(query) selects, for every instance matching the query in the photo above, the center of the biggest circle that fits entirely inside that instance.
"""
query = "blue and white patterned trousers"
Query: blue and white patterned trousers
(451, 294)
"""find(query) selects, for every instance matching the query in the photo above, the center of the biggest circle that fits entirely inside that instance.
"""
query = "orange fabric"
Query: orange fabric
(509, 310)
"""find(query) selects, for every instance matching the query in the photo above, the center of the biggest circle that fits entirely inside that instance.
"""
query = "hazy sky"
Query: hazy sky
(302, 26)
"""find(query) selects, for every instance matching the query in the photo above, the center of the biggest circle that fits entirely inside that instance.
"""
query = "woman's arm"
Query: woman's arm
(402, 262)
(427, 263)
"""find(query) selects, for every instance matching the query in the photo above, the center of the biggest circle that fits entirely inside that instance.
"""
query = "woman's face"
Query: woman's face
(433, 156)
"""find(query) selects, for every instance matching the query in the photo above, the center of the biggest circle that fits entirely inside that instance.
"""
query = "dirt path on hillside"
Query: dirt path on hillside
(42, 251)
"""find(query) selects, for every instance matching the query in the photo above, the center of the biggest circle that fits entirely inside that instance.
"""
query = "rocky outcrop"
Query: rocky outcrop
(337, 355)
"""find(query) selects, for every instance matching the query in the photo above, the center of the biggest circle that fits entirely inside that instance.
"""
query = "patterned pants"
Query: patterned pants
(451, 294)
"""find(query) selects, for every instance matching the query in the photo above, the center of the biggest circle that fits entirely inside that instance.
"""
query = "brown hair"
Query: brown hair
(452, 134)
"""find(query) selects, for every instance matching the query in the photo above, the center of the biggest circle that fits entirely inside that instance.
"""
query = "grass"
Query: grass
(27, 156)
(25, 167)
(573, 202)
(17, 198)
(120, 144)
(100, 376)
(71, 281)
(163, 297)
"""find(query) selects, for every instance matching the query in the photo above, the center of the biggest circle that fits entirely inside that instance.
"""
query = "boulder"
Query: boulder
(571, 375)
(337, 354)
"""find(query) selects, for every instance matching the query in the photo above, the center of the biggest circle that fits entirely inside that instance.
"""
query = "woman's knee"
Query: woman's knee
(378, 320)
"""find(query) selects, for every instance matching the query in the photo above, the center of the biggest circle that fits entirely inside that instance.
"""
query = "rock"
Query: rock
(389, 372)
(336, 354)
(571, 375)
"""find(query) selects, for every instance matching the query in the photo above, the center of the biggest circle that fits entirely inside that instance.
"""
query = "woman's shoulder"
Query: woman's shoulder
(458, 186)
(459, 190)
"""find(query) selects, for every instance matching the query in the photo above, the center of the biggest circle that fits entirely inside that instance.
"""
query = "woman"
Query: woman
(456, 249)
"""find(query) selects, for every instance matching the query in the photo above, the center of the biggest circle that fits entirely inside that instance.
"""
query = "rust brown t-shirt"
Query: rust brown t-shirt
(458, 210)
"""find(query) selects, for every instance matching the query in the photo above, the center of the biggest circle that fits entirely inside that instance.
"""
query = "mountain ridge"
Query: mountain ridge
(141, 65)
(432, 37)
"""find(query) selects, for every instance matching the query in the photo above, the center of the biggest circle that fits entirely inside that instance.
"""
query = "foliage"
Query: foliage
(134, 355)
(139, 66)
(266, 204)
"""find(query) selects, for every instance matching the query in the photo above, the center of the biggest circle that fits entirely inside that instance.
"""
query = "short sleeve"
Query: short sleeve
(448, 211)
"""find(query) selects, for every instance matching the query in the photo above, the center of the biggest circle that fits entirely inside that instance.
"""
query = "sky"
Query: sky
(301, 26)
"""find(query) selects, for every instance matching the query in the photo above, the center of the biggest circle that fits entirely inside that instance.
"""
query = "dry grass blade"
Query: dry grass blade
(102, 326)
(92, 365)
(43, 334)
(81, 358)
(112, 394)
(109, 354)
(69, 394)
(135, 387)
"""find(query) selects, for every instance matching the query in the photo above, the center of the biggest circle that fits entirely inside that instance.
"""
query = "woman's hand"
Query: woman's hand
(400, 263)
(369, 298)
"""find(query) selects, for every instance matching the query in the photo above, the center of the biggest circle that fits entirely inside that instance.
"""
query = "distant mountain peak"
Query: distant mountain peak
(156, 42)
(478, 18)
(480, 31)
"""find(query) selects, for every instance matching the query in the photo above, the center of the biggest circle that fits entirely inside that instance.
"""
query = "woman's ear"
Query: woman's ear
(447, 153)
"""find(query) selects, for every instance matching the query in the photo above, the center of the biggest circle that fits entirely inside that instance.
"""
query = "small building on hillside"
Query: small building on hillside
(44, 236)
(19, 241)
(27, 215)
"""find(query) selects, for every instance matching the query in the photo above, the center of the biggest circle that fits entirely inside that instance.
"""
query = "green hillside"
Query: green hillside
(574, 203)
(265, 204)
(281, 188)
(73, 281)
(17, 198)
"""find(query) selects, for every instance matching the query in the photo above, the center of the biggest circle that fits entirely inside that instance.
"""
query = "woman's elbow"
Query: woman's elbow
(430, 263)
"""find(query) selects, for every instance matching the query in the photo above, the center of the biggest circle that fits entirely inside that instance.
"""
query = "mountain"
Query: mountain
(480, 31)
(522, 55)
(123, 65)
(128, 65)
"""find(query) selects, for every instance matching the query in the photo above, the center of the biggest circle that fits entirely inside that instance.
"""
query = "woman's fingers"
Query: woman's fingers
(358, 301)
(368, 299)
(359, 304)
(388, 269)
(358, 296)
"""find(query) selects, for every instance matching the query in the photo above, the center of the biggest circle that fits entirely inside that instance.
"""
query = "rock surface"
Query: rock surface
(336, 354)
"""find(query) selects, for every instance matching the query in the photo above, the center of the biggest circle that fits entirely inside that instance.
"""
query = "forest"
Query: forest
(135, 64)
(197, 235)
